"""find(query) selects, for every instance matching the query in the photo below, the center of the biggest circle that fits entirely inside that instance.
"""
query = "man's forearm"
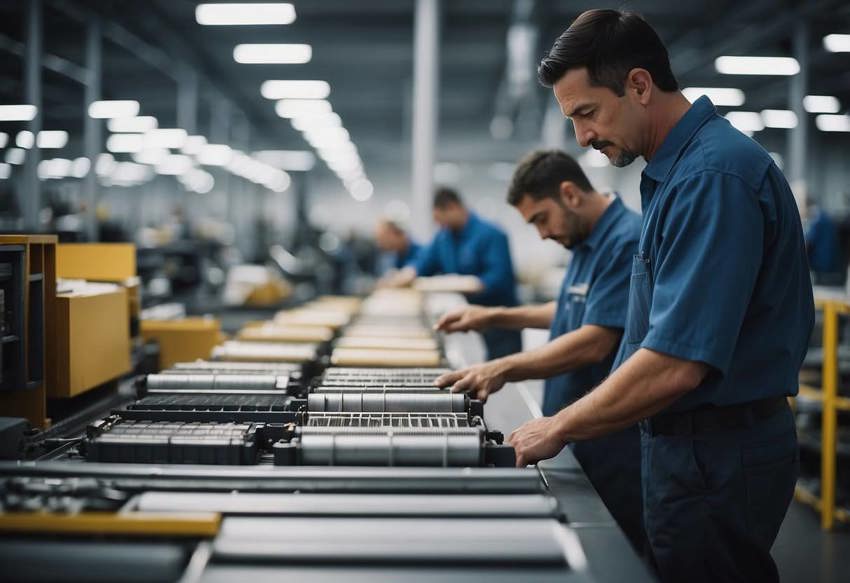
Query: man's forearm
(539, 316)
(582, 347)
(645, 384)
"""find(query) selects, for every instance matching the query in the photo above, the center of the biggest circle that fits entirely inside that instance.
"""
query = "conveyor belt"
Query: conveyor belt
(387, 402)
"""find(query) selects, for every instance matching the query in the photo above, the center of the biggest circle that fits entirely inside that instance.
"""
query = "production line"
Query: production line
(270, 470)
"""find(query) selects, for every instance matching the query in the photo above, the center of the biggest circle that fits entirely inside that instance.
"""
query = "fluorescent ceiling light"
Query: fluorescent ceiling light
(193, 145)
(362, 190)
(295, 89)
(54, 168)
(273, 54)
(16, 156)
(756, 65)
(837, 43)
(139, 124)
(831, 123)
(779, 118)
(174, 164)
(299, 107)
(292, 160)
(55, 139)
(215, 155)
(245, 14)
(305, 122)
(113, 109)
(746, 121)
(166, 138)
(5, 171)
(125, 143)
(721, 96)
(198, 180)
(104, 164)
(152, 156)
(25, 140)
(17, 112)
(81, 167)
(4, 139)
(821, 104)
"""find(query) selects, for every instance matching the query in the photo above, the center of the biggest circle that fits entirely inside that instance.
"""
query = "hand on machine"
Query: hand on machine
(464, 320)
(480, 380)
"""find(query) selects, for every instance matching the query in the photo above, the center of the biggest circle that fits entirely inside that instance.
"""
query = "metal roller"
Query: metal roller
(387, 402)
(221, 366)
(215, 382)
(367, 389)
(264, 352)
(374, 447)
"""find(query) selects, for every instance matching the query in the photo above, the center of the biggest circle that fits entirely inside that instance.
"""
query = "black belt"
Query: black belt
(713, 419)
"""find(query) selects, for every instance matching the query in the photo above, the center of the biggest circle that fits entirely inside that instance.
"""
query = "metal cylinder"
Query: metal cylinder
(213, 382)
(220, 366)
(361, 448)
(378, 389)
(387, 402)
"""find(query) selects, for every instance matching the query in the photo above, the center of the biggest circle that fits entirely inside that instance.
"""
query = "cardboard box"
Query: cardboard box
(182, 340)
(93, 339)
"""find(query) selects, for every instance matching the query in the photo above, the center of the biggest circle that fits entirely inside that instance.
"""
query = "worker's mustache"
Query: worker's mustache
(597, 145)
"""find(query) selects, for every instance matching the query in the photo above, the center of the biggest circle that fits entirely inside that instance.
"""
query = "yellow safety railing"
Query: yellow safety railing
(831, 404)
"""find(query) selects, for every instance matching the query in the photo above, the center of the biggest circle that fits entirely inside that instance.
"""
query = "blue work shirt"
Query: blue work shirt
(595, 291)
(479, 249)
(721, 275)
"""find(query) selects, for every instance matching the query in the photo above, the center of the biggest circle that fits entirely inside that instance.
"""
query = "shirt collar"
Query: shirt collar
(471, 223)
(659, 167)
(604, 223)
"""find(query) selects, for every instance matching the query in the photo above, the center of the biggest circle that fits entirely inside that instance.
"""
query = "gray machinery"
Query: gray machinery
(243, 471)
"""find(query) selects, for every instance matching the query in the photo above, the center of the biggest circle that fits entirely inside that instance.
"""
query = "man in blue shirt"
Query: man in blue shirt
(398, 250)
(720, 309)
(469, 245)
(552, 193)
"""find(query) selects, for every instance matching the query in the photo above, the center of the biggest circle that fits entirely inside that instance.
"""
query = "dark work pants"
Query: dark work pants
(713, 503)
(501, 342)
(612, 464)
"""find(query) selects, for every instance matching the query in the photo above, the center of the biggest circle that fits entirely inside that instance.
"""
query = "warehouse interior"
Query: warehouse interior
(212, 364)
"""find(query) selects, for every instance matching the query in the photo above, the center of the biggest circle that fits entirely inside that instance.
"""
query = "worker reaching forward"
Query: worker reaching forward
(552, 193)
(720, 309)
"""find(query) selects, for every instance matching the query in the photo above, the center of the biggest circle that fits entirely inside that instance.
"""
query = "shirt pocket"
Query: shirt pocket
(640, 300)
(575, 305)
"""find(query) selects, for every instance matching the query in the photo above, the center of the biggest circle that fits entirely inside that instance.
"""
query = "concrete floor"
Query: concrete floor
(806, 554)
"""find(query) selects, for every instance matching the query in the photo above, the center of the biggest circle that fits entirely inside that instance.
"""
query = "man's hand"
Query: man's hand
(537, 440)
(479, 381)
(464, 320)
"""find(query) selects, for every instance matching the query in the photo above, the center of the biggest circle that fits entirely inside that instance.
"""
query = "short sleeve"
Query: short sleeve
(608, 298)
(704, 268)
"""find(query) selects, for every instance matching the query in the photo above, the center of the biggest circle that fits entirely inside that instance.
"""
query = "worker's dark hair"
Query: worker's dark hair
(445, 197)
(540, 174)
(609, 43)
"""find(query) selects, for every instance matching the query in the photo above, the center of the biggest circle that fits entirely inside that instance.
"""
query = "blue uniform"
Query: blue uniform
(720, 277)
(596, 291)
(479, 249)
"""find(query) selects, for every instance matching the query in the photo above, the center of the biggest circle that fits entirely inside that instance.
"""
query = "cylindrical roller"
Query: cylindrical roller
(264, 352)
(367, 389)
(385, 358)
(386, 343)
(391, 449)
(213, 382)
(221, 366)
(387, 402)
